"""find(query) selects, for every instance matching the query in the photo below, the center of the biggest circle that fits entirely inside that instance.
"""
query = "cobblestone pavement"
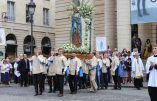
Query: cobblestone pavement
(16, 93)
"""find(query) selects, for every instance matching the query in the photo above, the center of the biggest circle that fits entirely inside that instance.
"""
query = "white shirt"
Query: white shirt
(15, 66)
(152, 73)
(30, 65)
(100, 63)
(5, 68)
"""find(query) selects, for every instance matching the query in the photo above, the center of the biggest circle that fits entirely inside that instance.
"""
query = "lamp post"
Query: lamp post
(31, 10)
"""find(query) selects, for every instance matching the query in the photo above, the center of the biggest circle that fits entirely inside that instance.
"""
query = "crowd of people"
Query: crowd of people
(93, 72)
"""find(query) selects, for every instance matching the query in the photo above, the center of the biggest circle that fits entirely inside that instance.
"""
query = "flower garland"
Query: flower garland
(72, 48)
(86, 10)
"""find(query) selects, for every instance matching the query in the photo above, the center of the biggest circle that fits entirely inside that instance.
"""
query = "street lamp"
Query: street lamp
(31, 10)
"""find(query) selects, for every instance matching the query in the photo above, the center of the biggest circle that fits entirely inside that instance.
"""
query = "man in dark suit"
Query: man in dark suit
(23, 68)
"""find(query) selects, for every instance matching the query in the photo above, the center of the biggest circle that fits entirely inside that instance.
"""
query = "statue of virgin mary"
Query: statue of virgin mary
(76, 33)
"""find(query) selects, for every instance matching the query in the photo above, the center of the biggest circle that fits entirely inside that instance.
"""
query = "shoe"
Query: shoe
(36, 94)
(114, 89)
(54, 91)
(102, 88)
(91, 91)
(60, 95)
(119, 88)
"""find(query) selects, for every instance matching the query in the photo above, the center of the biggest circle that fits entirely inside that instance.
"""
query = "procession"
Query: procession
(93, 73)
(78, 50)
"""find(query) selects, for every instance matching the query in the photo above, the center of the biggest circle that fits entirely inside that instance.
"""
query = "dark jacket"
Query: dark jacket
(23, 66)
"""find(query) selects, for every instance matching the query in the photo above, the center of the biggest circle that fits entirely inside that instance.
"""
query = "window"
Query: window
(11, 11)
(45, 16)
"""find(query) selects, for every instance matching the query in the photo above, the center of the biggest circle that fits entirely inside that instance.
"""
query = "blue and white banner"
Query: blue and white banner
(143, 11)
(101, 44)
(2, 37)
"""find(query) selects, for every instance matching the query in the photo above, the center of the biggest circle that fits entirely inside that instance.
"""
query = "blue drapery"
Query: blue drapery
(120, 71)
(98, 70)
(67, 72)
(80, 72)
(76, 23)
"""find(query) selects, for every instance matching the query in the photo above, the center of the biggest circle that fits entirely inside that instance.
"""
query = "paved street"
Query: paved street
(16, 93)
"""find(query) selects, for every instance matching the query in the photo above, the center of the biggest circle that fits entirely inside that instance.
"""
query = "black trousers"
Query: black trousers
(73, 83)
(117, 82)
(38, 82)
(24, 79)
(85, 80)
(138, 83)
(80, 82)
(30, 80)
(109, 75)
(49, 78)
(16, 79)
(55, 84)
(105, 80)
(43, 81)
(60, 81)
(152, 93)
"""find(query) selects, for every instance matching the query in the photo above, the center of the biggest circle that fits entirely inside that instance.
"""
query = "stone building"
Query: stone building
(111, 20)
(18, 28)
(52, 26)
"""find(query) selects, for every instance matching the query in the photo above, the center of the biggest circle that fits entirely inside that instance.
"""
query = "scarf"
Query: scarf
(138, 68)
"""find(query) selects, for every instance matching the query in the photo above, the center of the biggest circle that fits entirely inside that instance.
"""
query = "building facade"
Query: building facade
(111, 20)
(18, 28)
(52, 26)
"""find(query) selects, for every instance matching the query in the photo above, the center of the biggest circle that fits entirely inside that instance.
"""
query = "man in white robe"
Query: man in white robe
(151, 67)
(137, 70)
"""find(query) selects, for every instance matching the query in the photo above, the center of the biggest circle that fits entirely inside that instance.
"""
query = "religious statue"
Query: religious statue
(76, 30)
(80, 12)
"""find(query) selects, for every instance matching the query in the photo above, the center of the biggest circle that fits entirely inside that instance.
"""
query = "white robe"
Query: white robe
(152, 73)
(137, 70)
